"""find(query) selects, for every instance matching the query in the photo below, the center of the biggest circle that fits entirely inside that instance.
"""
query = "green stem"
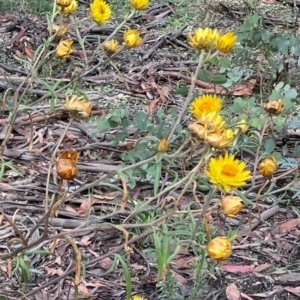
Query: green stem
(204, 209)
(258, 150)
(204, 158)
(80, 40)
(189, 96)
(167, 189)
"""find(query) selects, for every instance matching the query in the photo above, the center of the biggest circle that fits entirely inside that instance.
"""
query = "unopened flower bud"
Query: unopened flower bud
(274, 107)
(268, 166)
(162, 146)
(231, 205)
(219, 248)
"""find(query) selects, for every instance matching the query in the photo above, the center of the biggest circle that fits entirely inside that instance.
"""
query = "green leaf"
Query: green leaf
(247, 201)
(225, 62)
(297, 151)
(269, 145)
(255, 122)
(214, 60)
(183, 91)
(141, 120)
(127, 276)
(265, 35)
(284, 150)
(290, 94)
(205, 75)
(102, 126)
(219, 79)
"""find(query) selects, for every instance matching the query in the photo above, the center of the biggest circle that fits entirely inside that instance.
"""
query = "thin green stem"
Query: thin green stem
(204, 209)
(196, 170)
(258, 150)
(189, 96)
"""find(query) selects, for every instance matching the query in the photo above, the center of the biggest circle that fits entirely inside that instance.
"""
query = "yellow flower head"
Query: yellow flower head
(162, 145)
(204, 39)
(227, 172)
(111, 46)
(140, 4)
(100, 11)
(132, 38)
(274, 107)
(207, 123)
(231, 205)
(219, 248)
(226, 42)
(70, 9)
(268, 166)
(136, 297)
(220, 139)
(212, 121)
(205, 104)
(63, 3)
(241, 126)
(79, 105)
(64, 48)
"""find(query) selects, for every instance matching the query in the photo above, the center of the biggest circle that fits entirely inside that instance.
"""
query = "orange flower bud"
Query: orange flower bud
(67, 165)
(63, 3)
(231, 205)
(268, 166)
(70, 9)
(219, 248)
(274, 107)
(241, 126)
(162, 146)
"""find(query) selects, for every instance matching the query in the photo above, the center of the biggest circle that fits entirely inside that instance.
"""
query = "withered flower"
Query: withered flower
(66, 166)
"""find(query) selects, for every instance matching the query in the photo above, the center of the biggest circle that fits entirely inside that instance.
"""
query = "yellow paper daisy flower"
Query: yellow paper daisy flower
(100, 11)
(64, 48)
(227, 172)
(111, 46)
(132, 38)
(70, 9)
(212, 121)
(220, 139)
(207, 123)
(205, 104)
(206, 38)
(226, 42)
(136, 297)
(219, 248)
(140, 4)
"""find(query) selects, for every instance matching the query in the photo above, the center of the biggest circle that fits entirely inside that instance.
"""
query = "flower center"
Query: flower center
(229, 170)
(205, 106)
(101, 9)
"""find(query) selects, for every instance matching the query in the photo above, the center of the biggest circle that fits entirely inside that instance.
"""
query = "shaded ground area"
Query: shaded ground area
(265, 261)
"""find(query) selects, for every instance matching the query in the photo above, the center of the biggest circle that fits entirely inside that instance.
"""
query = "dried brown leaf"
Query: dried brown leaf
(232, 292)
